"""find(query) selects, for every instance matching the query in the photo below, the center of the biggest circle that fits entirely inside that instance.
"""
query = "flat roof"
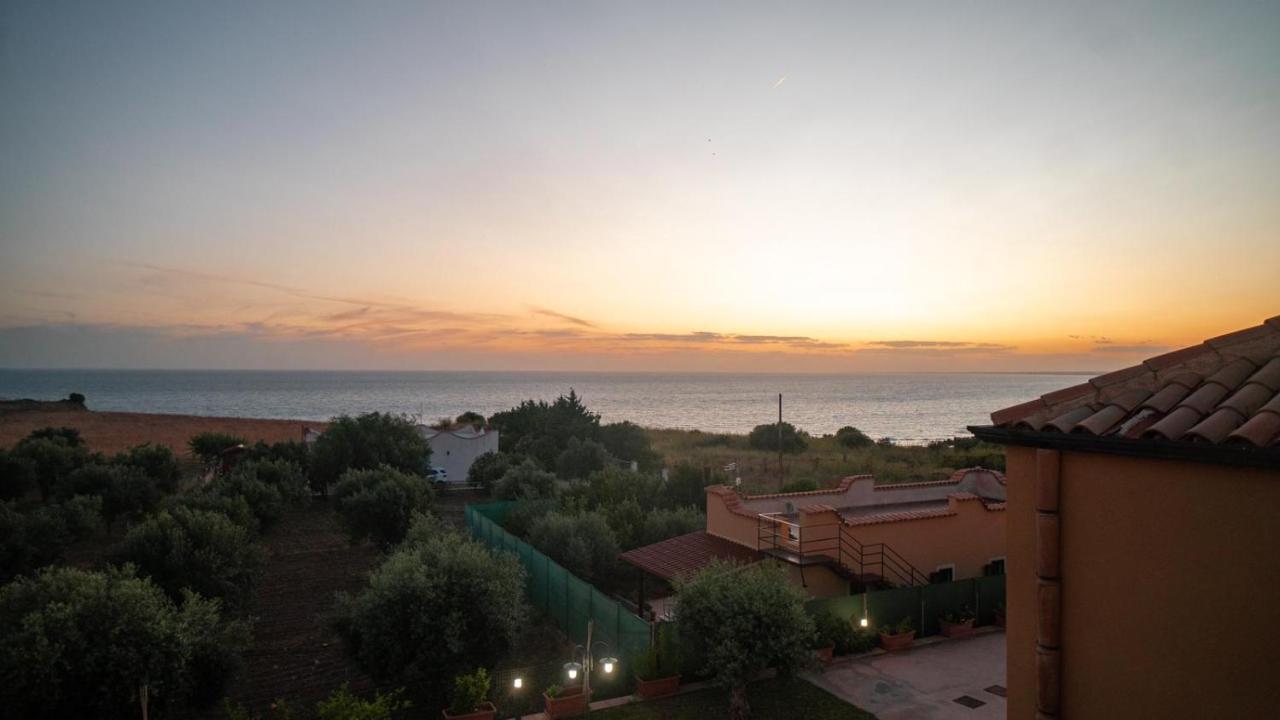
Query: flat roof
(685, 555)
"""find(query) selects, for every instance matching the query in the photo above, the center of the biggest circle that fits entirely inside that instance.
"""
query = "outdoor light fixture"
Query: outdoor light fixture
(862, 622)
(608, 663)
(572, 669)
(517, 683)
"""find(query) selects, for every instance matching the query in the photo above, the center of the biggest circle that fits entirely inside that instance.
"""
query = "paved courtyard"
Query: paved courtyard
(926, 681)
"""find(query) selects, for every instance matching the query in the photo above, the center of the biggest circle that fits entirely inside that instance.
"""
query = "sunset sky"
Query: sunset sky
(634, 186)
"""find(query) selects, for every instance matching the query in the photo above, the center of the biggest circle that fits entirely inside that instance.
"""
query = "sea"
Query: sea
(909, 408)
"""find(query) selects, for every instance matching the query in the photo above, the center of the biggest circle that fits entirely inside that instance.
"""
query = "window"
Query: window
(943, 574)
(995, 567)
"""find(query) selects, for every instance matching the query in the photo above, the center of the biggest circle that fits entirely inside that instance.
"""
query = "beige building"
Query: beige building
(1144, 545)
(857, 535)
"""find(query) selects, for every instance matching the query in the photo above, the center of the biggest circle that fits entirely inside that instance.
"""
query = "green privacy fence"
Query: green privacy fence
(924, 604)
(567, 599)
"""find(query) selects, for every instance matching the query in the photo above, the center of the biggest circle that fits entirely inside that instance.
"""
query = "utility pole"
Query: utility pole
(780, 479)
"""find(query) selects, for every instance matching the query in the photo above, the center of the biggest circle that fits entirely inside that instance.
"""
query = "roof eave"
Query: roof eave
(1234, 455)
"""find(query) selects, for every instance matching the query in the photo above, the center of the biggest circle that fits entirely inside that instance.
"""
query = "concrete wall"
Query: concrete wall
(1170, 588)
(968, 539)
(455, 454)
(862, 491)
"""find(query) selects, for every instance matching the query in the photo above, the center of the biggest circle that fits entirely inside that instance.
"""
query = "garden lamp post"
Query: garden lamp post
(587, 655)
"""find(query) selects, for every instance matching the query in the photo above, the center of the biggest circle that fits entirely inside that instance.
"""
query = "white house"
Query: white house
(455, 449)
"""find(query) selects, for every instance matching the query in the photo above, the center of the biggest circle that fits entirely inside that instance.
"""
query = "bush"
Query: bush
(81, 515)
(52, 456)
(78, 644)
(488, 469)
(64, 435)
(283, 475)
(628, 441)
(197, 550)
(379, 504)
(234, 508)
(613, 485)
(668, 523)
(17, 475)
(266, 502)
(765, 437)
(126, 490)
(852, 437)
(366, 442)
(800, 486)
(343, 705)
(525, 514)
(470, 692)
(29, 541)
(580, 458)
(209, 446)
(471, 418)
(156, 461)
(433, 610)
(541, 430)
(742, 620)
(584, 544)
(525, 482)
(288, 451)
(687, 485)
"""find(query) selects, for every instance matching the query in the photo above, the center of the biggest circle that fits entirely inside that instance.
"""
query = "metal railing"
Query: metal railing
(865, 560)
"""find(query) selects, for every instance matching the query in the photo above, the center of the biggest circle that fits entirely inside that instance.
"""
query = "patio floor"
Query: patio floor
(940, 680)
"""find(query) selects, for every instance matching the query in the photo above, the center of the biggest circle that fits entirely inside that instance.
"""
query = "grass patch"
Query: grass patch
(768, 699)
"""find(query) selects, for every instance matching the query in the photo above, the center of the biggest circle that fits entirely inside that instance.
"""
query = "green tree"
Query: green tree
(29, 541)
(283, 475)
(686, 485)
(380, 504)
(235, 508)
(266, 501)
(209, 446)
(433, 610)
(52, 456)
(488, 469)
(17, 475)
(627, 441)
(205, 552)
(741, 620)
(541, 430)
(474, 419)
(77, 644)
(366, 442)
(156, 461)
(765, 437)
(580, 458)
(667, 523)
(852, 437)
(583, 543)
(345, 705)
(66, 435)
(525, 481)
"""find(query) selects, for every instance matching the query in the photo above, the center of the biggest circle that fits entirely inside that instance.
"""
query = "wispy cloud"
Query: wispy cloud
(938, 344)
(561, 316)
(1137, 349)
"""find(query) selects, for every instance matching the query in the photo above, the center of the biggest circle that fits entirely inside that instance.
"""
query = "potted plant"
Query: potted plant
(657, 673)
(1000, 614)
(957, 623)
(471, 698)
(564, 702)
(899, 637)
(828, 632)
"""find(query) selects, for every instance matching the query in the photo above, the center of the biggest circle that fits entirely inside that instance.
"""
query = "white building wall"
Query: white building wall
(455, 450)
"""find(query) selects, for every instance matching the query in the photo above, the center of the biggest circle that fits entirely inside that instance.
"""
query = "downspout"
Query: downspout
(1048, 584)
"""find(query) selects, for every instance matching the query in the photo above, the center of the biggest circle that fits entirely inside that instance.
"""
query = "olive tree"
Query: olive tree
(366, 442)
(433, 609)
(379, 504)
(82, 644)
(738, 621)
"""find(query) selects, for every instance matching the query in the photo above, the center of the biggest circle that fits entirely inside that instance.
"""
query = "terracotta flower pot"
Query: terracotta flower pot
(824, 654)
(658, 687)
(964, 628)
(569, 703)
(999, 618)
(897, 641)
(487, 711)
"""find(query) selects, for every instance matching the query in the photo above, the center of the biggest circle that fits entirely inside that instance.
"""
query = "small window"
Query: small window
(943, 574)
(995, 567)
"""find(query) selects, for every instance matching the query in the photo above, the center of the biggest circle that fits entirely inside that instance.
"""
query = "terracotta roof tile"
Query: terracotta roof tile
(685, 555)
(1226, 389)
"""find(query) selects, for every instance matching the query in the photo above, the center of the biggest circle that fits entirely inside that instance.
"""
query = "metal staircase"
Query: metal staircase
(870, 565)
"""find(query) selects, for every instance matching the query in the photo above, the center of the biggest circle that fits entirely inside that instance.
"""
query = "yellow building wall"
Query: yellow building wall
(1171, 588)
(969, 539)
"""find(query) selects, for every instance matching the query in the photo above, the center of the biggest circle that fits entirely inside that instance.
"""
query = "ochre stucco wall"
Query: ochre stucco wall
(969, 539)
(1170, 588)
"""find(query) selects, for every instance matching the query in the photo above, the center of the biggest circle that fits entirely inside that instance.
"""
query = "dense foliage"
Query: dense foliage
(17, 475)
(366, 442)
(437, 607)
(583, 543)
(156, 462)
(580, 458)
(738, 621)
(379, 504)
(197, 550)
(541, 431)
(209, 446)
(525, 481)
(630, 442)
(488, 469)
(766, 437)
(852, 437)
(77, 644)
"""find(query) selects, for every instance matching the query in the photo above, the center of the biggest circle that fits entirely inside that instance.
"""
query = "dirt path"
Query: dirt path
(295, 653)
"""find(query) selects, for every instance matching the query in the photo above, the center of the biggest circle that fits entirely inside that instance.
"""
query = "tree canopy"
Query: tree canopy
(379, 504)
(765, 437)
(366, 442)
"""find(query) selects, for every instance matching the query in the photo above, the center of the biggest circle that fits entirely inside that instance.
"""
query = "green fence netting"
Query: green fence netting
(568, 600)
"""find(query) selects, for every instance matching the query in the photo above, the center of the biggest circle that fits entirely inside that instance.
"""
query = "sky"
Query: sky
(811, 187)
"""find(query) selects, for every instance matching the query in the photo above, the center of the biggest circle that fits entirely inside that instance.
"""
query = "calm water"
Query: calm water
(907, 407)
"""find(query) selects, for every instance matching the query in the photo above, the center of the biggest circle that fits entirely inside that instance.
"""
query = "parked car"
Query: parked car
(437, 476)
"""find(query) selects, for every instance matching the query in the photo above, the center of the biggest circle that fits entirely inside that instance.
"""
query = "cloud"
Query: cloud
(937, 344)
(561, 316)
(1137, 349)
